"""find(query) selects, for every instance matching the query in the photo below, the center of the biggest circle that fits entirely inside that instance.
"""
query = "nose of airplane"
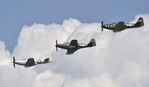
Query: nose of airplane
(102, 25)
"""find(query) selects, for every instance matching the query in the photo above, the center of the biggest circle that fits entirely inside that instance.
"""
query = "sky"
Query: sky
(17, 14)
(30, 29)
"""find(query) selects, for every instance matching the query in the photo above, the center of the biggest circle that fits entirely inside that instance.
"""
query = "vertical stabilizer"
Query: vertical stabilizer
(140, 22)
(91, 43)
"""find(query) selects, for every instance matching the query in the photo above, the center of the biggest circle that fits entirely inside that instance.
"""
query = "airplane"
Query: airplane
(74, 46)
(117, 27)
(30, 62)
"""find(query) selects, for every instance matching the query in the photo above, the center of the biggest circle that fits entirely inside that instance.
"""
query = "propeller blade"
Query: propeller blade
(14, 62)
(56, 46)
(101, 26)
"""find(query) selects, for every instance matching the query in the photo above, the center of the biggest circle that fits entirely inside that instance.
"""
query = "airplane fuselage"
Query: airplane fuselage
(109, 26)
(74, 45)
(116, 27)
(24, 64)
(69, 46)
(20, 63)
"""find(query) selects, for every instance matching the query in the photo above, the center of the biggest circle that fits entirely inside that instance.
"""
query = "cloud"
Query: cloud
(11, 77)
(39, 39)
(4, 55)
(48, 78)
(119, 59)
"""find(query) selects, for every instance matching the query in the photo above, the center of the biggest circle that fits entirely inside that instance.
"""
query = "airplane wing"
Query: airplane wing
(119, 27)
(30, 62)
(74, 43)
(71, 51)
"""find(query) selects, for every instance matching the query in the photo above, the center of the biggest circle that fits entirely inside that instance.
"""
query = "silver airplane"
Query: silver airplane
(30, 62)
(74, 46)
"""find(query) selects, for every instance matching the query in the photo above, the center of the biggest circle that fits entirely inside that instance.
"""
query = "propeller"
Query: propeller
(14, 62)
(56, 46)
(101, 26)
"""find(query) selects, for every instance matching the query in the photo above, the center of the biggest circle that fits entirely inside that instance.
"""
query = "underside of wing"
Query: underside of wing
(71, 51)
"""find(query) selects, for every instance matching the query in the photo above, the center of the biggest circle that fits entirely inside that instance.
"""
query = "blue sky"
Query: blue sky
(15, 14)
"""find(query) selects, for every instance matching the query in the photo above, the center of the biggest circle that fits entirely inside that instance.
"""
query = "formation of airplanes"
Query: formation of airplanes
(73, 46)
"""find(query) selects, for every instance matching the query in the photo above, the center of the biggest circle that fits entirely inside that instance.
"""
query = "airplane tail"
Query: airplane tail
(14, 62)
(46, 60)
(140, 22)
(91, 43)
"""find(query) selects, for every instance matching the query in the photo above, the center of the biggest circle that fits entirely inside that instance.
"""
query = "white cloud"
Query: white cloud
(39, 39)
(4, 55)
(48, 78)
(119, 59)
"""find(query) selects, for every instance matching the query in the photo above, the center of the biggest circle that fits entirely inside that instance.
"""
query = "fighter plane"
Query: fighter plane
(74, 46)
(30, 62)
(116, 27)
